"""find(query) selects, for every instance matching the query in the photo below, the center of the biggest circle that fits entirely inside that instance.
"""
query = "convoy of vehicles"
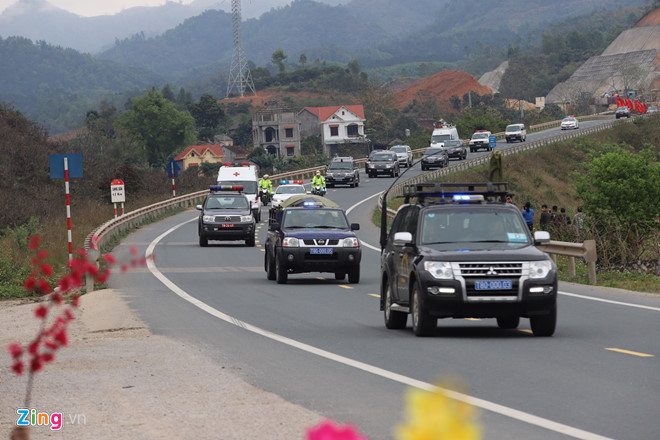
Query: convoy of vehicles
(461, 251)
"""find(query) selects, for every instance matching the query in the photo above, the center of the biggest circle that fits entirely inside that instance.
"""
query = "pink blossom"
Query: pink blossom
(35, 240)
(30, 283)
(328, 430)
(36, 364)
(41, 312)
(109, 259)
(15, 349)
(18, 367)
(134, 250)
(47, 269)
(44, 286)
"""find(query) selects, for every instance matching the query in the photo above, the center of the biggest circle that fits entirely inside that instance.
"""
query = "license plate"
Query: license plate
(338, 180)
(227, 225)
(320, 251)
(493, 285)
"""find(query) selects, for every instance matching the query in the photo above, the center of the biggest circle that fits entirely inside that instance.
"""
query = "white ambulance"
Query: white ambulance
(243, 174)
(443, 132)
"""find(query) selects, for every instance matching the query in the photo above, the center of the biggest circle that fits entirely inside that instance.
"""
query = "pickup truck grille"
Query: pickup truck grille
(320, 242)
(227, 218)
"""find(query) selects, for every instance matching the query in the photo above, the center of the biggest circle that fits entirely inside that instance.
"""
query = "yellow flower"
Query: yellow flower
(431, 415)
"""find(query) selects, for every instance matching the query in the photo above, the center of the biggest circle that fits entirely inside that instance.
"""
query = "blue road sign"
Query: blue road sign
(492, 142)
(173, 168)
(74, 164)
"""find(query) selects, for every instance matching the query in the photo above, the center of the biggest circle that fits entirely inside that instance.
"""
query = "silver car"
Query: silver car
(404, 154)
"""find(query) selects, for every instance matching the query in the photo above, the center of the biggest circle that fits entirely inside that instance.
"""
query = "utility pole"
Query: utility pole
(239, 73)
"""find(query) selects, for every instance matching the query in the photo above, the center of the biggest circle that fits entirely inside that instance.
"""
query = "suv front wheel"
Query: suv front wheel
(423, 323)
(544, 325)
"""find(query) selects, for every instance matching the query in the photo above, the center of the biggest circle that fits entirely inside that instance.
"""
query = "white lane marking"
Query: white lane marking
(481, 403)
(591, 298)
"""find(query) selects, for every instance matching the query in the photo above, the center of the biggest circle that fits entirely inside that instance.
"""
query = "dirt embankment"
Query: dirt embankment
(440, 87)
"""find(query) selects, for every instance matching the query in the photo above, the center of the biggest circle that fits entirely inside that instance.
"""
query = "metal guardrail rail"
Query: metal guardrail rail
(135, 218)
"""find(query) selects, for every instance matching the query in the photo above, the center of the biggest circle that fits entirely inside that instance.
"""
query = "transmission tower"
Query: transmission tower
(239, 73)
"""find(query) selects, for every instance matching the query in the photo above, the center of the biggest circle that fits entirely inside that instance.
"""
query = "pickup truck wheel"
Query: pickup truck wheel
(270, 266)
(340, 276)
(508, 322)
(280, 271)
(203, 241)
(354, 275)
(544, 325)
(423, 323)
(393, 319)
(249, 242)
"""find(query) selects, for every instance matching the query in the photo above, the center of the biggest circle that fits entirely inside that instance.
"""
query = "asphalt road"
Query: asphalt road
(322, 344)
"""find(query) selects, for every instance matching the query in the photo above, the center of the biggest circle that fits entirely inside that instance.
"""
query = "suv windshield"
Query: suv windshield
(290, 190)
(315, 218)
(398, 149)
(453, 144)
(467, 229)
(340, 166)
(227, 202)
(383, 158)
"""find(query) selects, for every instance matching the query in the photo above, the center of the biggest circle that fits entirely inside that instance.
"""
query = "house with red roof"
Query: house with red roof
(337, 125)
(194, 155)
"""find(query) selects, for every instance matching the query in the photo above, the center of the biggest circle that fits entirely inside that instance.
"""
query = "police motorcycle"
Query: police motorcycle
(266, 196)
(318, 190)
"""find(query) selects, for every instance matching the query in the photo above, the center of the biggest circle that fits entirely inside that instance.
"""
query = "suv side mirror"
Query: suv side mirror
(355, 226)
(199, 208)
(541, 238)
(402, 238)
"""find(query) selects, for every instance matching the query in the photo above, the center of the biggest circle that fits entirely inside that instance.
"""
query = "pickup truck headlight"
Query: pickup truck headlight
(539, 269)
(290, 242)
(439, 269)
(246, 218)
(351, 242)
(208, 218)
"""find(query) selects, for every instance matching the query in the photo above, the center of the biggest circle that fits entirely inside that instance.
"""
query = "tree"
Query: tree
(156, 126)
(278, 58)
(303, 60)
(207, 113)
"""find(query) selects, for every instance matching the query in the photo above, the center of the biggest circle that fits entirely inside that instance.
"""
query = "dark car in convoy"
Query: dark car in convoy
(225, 215)
(382, 162)
(622, 112)
(435, 157)
(455, 149)
(342, 171)
(460, 251)
(309, 233)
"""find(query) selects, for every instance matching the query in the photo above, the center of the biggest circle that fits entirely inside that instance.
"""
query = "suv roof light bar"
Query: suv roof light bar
(488, 190)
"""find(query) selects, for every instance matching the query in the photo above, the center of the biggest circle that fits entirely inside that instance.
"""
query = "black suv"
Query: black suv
(342, 171)
(460, 251)
(435, 157)
(382, 162)
(311, 234)
(225, 215)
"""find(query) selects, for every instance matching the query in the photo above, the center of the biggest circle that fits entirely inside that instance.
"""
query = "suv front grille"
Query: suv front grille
(490, 269)
(227, 218)
(470, 273)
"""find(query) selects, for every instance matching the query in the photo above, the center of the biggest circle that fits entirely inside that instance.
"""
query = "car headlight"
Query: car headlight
(351, 242)
(539, 269)
(389, 165)
(246, 218)
(208, 218)
(290, 242)
(439, 269)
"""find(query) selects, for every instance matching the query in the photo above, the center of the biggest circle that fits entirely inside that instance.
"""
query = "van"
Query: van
(443, 133)
(243, 174)
(515, 132)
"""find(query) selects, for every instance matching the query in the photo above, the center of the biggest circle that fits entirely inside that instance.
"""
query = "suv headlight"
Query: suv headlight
(208, 218)
(246, 218)
(290, 242)
(539, 269)
(351, 242)
(439, 269)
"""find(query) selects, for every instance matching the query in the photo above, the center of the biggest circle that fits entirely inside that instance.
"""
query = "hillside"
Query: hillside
(440, 87)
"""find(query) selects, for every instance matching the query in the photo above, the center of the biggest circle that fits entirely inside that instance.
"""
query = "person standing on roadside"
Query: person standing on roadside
(578, 220)
(545, 217)
(528, 215)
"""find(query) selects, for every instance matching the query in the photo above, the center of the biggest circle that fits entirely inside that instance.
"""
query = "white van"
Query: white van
(441, 133)
(243, 174)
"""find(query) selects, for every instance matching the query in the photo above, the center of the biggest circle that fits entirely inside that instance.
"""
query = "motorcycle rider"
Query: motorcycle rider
(319, 180)
(265, 183)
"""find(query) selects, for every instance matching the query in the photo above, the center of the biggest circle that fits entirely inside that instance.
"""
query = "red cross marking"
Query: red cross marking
(236, 173)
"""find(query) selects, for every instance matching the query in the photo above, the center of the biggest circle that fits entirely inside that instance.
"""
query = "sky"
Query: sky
(90, 8)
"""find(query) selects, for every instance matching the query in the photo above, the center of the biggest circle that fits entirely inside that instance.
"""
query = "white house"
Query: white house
(336, 125)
